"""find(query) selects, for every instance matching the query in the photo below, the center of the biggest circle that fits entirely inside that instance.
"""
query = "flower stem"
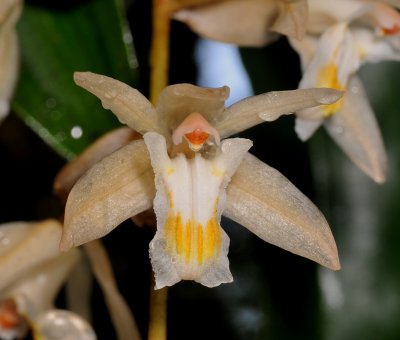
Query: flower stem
(158, 314)
(159, 54)
(159, 62)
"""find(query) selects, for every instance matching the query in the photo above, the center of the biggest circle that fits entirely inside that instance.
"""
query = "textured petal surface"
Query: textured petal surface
(101, 148)
(176, 102)
(354, 128)
(219, 21)
(128, 104)
(269, 205)
(39, 244)
(116, 188)
(189, 243)
(268, 107)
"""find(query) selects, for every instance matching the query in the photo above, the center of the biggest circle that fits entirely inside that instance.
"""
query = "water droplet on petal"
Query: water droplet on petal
(354, 89)
(106, 104)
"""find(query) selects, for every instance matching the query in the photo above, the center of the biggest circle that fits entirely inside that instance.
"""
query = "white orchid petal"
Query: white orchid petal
(40, 244)
(355, 129)
(305, 128)
(189, 243)
(115, 189)
(270, 106)
(373, 49)
(128, 104)
(219, 21)
(265, 202)
(335, 60)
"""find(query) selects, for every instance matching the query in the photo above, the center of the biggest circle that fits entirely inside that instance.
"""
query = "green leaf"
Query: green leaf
(55, 42)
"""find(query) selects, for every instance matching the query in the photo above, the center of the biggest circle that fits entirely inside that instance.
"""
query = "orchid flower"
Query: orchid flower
(341, 37)
(10, 11)
(246, 22)
(191, 172)
(31, 273)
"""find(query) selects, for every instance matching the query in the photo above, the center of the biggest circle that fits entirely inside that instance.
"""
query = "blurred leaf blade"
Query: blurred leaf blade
(89, 36)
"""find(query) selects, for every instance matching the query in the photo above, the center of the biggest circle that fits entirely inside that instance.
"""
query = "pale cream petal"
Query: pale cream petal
(305, 128)
(386, 18)
(36, 290)
(265, 202)
(354, 128)
(121, 315)
(373, 49)
(292, 20)
(335, 60)
(324, 14)
(176, 102)
(40, 244)
(189, 243)
(102, 147)
(114, 189)
(241, 22)
(10, 12)
(270, 106)
(128, 104)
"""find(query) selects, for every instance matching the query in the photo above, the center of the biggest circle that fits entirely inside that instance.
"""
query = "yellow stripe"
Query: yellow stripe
(200, 245)
(179, 234)
(188, 240)
(328, 77)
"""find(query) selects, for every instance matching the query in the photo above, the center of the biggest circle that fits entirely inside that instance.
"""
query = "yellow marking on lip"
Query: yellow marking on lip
(179, 234)
(328, 77)
(191, 240)
(188, 240)
(170, 200)
(200, 245)
(216, 171)
(170, 170)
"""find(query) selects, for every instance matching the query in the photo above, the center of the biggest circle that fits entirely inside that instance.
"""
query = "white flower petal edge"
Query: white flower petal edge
(189, 243)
